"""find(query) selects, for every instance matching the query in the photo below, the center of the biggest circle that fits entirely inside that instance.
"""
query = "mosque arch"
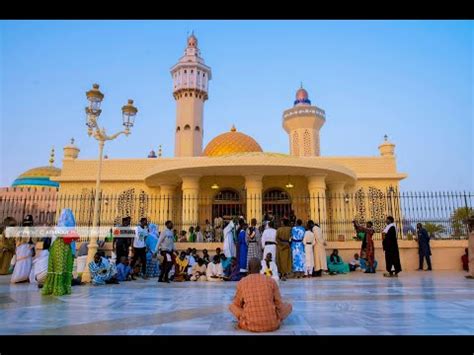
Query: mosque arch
(187, 127)
(277, 202)
(226, 203)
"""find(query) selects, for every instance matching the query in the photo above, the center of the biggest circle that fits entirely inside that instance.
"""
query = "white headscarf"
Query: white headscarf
(387, 227)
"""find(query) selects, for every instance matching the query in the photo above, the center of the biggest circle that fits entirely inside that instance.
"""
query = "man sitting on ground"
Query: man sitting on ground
(232, 272)
(214, 270)
(102, 271)
(124, 271)
(199, 271)
(181, 268)
(355, 263)
(257, 303)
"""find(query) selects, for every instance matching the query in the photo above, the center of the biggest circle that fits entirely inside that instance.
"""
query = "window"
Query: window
(199, 72)
(185, 71)
(187, 127)
(178, 129)
(203, 75)
(192, 71)
(197, 128)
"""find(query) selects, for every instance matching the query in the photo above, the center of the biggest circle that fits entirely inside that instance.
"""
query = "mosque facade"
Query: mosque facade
(233, 174)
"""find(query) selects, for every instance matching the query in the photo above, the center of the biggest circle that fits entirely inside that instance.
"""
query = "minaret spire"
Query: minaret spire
(51, 157)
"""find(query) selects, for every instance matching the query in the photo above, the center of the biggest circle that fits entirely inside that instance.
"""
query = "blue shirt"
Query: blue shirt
(123, 271)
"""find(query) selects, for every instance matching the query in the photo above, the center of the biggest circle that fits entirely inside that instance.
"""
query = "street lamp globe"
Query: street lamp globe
(128, 114)
(95, 97)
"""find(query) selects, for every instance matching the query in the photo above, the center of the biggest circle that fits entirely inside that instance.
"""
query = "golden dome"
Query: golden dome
(44, 171)
(232, 142)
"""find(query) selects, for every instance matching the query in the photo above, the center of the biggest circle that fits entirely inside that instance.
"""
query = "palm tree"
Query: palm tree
(433, 229)
(460, 215)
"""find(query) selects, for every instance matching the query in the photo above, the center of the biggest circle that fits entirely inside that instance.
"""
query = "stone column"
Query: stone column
(167, 195)
(190, 188)
(338, 223)
(254, 186)
(317, 199)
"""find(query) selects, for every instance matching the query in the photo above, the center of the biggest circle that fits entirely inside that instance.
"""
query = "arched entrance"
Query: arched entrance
(278, 203)
(227, 203)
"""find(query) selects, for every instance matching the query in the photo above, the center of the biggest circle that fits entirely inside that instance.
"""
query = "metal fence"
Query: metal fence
(442, 213)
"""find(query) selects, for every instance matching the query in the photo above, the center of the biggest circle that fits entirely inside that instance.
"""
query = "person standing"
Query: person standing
(297, 248)
(424, 250)
(151, 242)
(253, 241)
(229, 236)
(309, 242)
(283, 257)
(166, 247)
(199, 236)
(60, 262)
(390, 247)
(257, 303)
(320, 259)
(367, 251)
(470, 246)
(269, 240)
(123, 241)
(192, 235)
(139, 246)
(209, 232)
(7, 246)
(243, 247)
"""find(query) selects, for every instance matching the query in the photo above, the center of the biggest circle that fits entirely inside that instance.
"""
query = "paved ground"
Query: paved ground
(358, 304)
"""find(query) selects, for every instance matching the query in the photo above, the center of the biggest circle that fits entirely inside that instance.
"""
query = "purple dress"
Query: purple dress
(243, 250)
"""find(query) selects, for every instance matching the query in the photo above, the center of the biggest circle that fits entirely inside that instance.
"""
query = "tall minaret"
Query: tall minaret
(302, 123)
(190, 84)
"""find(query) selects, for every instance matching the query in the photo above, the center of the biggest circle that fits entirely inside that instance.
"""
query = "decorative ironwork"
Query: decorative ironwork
(377, 208)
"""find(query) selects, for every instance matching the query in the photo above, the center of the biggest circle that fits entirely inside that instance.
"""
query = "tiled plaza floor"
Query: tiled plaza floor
(355, 304)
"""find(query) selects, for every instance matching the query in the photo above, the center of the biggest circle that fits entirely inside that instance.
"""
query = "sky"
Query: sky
(411, 80)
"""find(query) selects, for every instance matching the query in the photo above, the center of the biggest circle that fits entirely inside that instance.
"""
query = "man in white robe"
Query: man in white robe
(309, 242)
(214, 270)
(229, 244)
(320, 258)
(269, 240)
(39, 270)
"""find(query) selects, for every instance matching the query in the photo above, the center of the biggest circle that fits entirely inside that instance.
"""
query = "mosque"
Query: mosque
(232, 175)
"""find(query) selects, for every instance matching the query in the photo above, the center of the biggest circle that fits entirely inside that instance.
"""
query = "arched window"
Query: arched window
(227, 195)
(276, 205)
(187, 127)
(178, 129)
(197, 128)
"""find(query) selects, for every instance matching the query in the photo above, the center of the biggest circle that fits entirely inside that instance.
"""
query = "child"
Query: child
(355, 263)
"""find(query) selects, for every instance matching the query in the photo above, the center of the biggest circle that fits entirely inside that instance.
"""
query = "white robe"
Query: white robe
(24, 259)
(229, 245)
(269, 235)
(214, 270)
(320, 259)
(39, 270)
(273, 269)
(309, 242)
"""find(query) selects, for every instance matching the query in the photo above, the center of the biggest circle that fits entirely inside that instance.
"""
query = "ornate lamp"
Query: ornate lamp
(128, 114)
(289, 185)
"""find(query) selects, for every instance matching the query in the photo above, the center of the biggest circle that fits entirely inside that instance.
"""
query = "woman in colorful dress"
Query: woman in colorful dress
(151, 259)
(242, 247)
(60, 263)
(254, 241)
(298, 249)
(7, 246)
(367, 251)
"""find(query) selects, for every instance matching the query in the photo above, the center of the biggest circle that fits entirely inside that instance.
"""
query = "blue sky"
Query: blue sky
(412, 80)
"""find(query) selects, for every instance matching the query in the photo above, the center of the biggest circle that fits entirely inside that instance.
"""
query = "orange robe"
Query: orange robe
(257, 304)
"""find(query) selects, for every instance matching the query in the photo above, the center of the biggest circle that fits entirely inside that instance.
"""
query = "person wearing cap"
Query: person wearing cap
(470, 247)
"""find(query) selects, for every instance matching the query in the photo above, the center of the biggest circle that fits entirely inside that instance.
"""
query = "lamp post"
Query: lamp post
(93, 111)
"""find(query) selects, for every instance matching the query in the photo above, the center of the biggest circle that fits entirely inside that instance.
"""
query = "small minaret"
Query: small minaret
(51, 157)
(71, 152)
(387, 149)
(190, 87)
(302, 123)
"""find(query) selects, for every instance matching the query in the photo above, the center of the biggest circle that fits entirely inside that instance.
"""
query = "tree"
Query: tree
(433, 229)
(458, 218)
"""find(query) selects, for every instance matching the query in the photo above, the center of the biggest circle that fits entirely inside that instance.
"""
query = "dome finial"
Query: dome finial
(301, 86)
(385, 137)
(72, 141)
(233, 129)
(51, 157)
(159, 151)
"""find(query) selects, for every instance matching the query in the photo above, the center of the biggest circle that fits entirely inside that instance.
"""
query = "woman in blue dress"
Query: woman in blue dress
(243, 247)
(297, 249)
(151, 241)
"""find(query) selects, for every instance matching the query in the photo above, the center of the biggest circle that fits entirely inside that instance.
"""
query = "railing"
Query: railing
(442, 213)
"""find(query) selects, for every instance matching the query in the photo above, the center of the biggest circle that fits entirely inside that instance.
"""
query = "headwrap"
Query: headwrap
(66, 219)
